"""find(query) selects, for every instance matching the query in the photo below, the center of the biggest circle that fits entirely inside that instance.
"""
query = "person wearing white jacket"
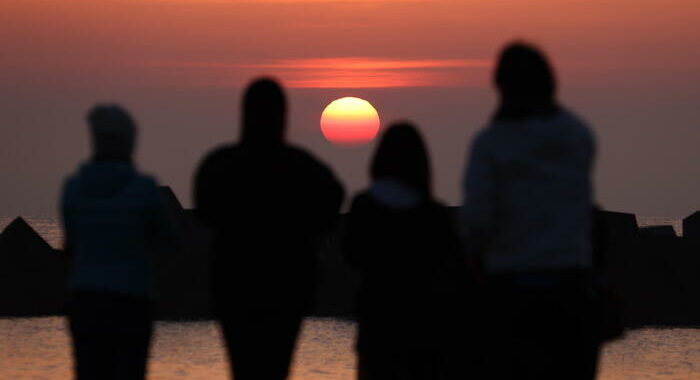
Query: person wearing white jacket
(527, 203)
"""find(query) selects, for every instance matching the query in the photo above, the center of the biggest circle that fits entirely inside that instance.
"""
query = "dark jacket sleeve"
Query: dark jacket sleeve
(479, 216)
(204, 190)
(328, 196)
(163, 224)
(358, 238)
(66, 221)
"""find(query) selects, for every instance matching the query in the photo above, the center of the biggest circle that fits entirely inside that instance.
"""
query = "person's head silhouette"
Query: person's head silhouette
(113, 132)
(264, 113)
(401, 155)
(525, 82)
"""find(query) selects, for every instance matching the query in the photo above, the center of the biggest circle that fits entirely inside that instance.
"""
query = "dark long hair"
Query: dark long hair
(526, 83)
(402, 155)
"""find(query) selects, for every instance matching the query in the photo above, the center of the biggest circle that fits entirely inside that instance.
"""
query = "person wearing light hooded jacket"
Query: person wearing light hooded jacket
(526, 217)
(114, 221)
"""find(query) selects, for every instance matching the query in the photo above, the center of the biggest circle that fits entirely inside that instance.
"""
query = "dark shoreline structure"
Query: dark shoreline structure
(32, 273)
(656, 271)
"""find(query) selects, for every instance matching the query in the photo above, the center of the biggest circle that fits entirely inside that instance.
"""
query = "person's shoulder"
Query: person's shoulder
(146, 184)
(435, 207)
(305, 158)
(577, 126)
(486, 137)
(302, 154)
(313, 171)
(219, 157)
(487, 132)
(70, 185)
(147, 180)
(71, 180)
(221, 152)
(572, 120)
(437, 204)
(363, 202)
(362, 198)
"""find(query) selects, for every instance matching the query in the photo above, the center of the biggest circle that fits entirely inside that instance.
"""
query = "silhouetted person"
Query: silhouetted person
(527, 218)
(114, 220)
(402, 241)
(266, 203)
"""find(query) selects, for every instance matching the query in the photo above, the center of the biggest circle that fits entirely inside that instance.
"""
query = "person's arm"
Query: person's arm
(327, 196)
(67, 223)
(353, 238)
(203, 191)
(163, 226)
(479, 207)
(333, 199)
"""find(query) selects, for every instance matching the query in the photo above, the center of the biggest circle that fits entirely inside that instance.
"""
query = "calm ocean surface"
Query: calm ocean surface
(38, 348)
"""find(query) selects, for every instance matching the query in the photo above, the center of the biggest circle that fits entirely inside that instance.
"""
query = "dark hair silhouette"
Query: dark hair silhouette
(402, 155)
(264, 113)
(413, 274)
(113, 132)
(525, 81)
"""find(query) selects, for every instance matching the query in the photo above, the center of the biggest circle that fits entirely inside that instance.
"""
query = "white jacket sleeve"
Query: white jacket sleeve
(480, 193)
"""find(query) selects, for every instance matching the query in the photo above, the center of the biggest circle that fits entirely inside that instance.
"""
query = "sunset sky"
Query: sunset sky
(629, 67)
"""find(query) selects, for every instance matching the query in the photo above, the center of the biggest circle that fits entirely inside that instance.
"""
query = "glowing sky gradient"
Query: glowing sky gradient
(629, 67)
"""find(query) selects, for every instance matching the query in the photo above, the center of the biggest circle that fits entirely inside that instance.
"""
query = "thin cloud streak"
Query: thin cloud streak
(352, 72)
(294, 1)
(356, 63)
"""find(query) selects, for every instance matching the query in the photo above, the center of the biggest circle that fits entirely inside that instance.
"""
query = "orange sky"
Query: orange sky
(68, 42)
(630, 66)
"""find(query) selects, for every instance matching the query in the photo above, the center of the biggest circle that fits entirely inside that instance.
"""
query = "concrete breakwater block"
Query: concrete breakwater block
(33, 275)
(691, 226)
(664, 230)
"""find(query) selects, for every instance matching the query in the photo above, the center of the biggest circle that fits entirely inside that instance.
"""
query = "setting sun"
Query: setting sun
(349, 121)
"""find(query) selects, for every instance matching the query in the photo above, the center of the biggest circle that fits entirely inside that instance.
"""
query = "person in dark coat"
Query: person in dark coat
(266, 203)
(403, 243)
(526, 213)
(114, 221)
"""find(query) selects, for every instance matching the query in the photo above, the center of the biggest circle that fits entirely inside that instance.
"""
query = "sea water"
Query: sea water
(39, 348)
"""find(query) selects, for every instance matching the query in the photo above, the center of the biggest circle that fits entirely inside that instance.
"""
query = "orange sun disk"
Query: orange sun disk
(349, 121)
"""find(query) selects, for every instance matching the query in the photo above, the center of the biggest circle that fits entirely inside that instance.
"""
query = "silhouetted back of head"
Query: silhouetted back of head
(113, 132)
(525, 81)
(264, 113)
(402, 155)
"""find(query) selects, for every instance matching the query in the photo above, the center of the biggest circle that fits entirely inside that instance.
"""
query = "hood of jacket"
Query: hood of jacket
(105, 178)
